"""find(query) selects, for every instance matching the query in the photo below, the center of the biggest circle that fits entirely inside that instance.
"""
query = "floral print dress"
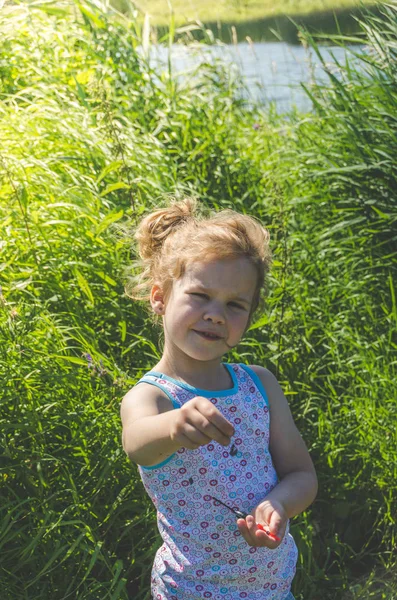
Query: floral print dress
(203, 554)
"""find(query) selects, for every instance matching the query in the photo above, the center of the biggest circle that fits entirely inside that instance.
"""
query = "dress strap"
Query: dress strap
(256, 381)
(153, 380)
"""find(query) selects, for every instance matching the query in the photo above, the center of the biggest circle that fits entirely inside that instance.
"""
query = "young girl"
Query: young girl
(215, 443)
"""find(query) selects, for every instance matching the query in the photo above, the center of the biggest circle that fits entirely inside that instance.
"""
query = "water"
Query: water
(272, 71)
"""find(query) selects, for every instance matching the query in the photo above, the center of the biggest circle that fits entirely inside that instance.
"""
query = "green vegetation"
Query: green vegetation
(91, 138)
(236, 20)
(234, 11)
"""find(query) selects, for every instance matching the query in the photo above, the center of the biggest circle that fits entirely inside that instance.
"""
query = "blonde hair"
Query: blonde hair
(170, 238)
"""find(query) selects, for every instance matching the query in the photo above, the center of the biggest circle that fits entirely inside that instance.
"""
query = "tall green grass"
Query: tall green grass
(91, 138)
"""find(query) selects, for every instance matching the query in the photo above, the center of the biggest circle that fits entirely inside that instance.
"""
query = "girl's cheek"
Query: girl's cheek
(242, 322)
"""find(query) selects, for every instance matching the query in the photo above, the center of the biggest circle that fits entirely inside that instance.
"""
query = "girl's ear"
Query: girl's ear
(157, 299)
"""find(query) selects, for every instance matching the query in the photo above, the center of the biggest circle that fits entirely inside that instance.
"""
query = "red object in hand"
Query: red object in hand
(244, 515)
(272, 535)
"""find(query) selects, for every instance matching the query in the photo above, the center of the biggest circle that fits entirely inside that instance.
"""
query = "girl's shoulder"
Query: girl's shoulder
(264, 375)
(143, 400)
(261, 372)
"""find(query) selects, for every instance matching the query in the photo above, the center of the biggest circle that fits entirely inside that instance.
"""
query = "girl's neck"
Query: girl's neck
(204, 376)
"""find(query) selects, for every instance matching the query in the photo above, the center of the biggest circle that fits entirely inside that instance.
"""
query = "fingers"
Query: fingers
(255, 536)
(246, 527)
(209, 429)
(201, 422)
(214, 417)
(202, 433)
(192, 439)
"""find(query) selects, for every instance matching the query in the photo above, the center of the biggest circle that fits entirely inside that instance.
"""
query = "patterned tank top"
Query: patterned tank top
(203, 553)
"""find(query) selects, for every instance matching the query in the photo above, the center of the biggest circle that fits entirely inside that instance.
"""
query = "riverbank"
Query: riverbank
(235, 11)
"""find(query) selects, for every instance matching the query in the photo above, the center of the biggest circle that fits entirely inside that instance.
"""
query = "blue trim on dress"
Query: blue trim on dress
(257, 381)
(198, 391)
(159, 464)
(151, 382)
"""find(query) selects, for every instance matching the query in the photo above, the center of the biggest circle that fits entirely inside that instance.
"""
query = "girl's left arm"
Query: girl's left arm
(297, 487)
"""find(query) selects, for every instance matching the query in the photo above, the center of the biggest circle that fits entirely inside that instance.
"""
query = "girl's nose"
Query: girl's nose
(215, 314)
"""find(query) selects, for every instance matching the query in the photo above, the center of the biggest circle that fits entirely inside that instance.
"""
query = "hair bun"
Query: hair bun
(157, 226)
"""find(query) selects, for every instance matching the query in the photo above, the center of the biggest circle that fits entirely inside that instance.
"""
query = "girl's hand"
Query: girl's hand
(198, 422)
(272, 516)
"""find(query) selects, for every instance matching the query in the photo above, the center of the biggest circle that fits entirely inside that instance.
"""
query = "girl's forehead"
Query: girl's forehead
(236, 274)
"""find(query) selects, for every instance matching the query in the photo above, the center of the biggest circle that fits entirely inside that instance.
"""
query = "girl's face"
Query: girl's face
(211, 297)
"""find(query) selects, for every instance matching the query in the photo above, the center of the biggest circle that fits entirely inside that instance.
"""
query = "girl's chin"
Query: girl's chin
(205, 351)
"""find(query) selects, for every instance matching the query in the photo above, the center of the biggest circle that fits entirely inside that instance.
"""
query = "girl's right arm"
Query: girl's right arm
(153, 429)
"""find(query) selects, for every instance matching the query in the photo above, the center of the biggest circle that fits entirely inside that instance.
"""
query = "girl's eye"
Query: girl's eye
(231, 303)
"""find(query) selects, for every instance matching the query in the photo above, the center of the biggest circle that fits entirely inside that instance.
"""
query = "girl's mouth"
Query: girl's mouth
(207, 336)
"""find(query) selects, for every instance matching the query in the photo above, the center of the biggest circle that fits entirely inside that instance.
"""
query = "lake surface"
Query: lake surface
(272, 71)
